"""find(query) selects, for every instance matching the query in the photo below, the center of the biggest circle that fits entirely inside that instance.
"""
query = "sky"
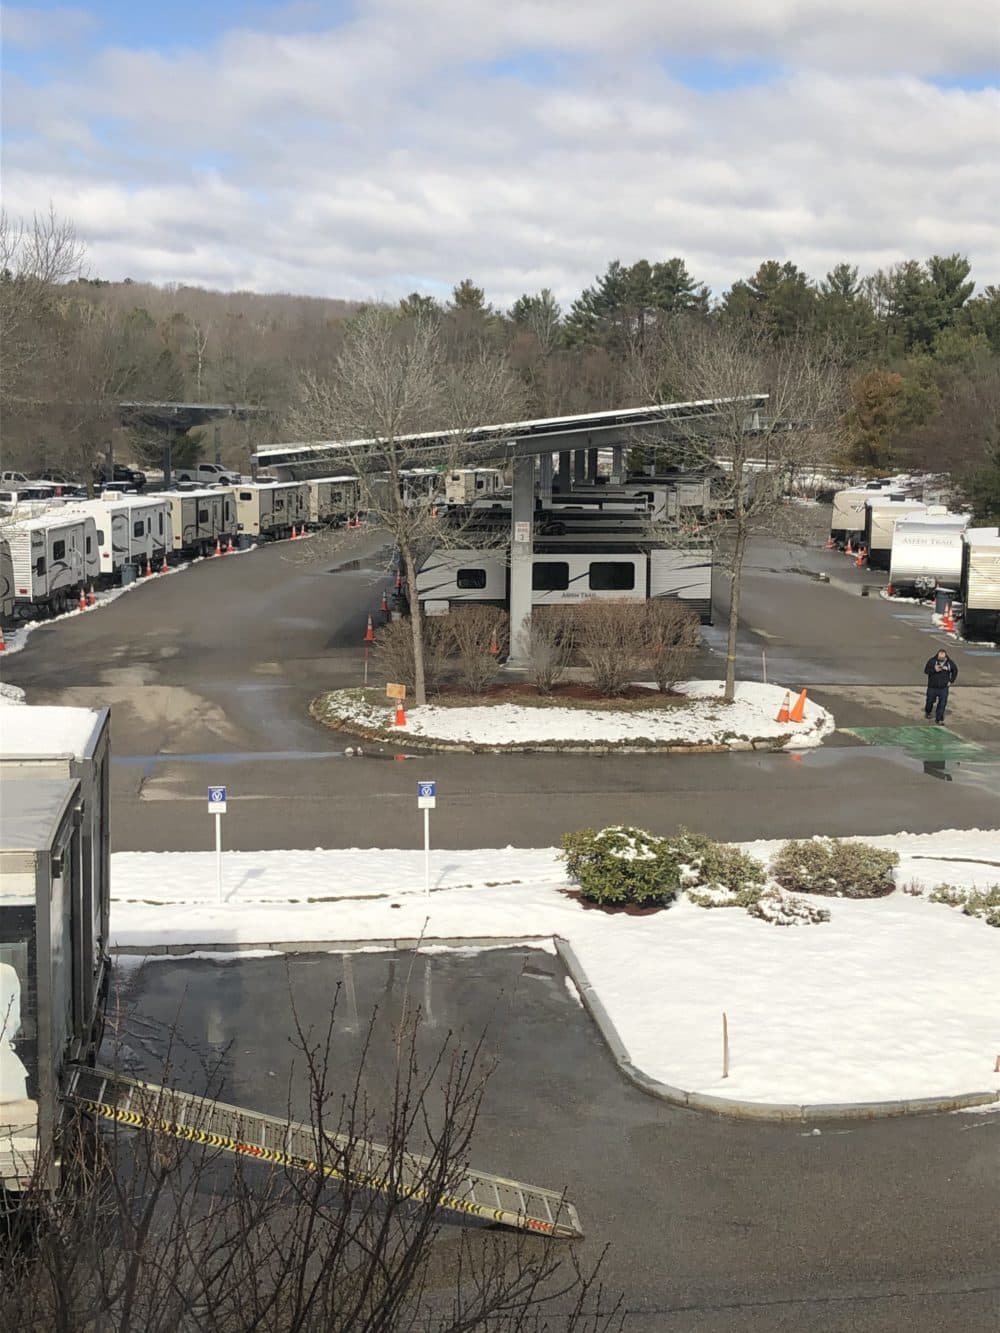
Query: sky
(364, 149)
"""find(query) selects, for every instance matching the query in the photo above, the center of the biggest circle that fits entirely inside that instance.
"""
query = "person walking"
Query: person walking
(941, 673)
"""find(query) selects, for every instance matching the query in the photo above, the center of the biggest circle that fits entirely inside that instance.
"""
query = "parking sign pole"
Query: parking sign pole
(218, 855)
(427, 853)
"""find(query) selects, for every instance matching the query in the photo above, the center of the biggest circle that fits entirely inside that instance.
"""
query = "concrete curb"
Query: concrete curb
(741, 1110)
(691, 1101)
(429, 746)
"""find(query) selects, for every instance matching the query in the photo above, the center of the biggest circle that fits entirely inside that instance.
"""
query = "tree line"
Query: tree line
(919, 347)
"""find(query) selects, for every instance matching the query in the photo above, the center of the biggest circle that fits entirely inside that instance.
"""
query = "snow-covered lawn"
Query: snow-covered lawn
(894, 998)
(705, 720)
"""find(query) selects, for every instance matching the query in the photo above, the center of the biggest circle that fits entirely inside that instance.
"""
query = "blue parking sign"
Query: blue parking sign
(426, 795)
(217, 797)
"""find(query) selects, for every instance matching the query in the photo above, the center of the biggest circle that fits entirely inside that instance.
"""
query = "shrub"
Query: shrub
(611, 640)
(471, 634)
(393, 652)
(840, 869)
(550, 645)
(716, 874)
(622, 865)
(779, 908)
(672, 634)
(983, 903)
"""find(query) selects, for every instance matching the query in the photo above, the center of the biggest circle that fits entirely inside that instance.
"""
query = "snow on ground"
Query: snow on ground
(11, 694)
(895, 997)
(706, 720)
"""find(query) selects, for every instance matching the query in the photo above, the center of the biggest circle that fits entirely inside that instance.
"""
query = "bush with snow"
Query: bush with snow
(838, 869)
(781, 908)
(717, 874)
(622, 864)
(983, 903)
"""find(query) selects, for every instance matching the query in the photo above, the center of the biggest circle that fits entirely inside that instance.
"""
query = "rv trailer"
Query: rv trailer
(848, 517)
(271, 509)
(927, 552)
(980, 587)
(54, 558)
(465, 484)
(881, 516)
(6, 581)
(332, 499)
(131, 530)
(199, 518)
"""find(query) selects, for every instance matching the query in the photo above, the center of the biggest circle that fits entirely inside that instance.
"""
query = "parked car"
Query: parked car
(208, 474)
(62, 481)
(12, 480)
(122, 475)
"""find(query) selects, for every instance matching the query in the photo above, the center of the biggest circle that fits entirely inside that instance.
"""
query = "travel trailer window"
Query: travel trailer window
(552, 576)
(137, 528)
(480, 484)
(611, 576)
(160, 517)
(246, 495)
(100, 536)
(471, 578)
(58, 550)
(40, 566)
(202, 515)
(89, 543)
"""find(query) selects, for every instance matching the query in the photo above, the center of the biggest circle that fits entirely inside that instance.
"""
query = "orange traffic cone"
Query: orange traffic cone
(831, 545)
(91, 596)
(948, 620)
(3, 646)
(384, 608)
(218, 547)
(370, 632)
(861, 558)
(798, 713)
(399, 580)
(400, 714)
(848, 549)
(164, 567)
(149, 568)
(890, 591)
(494, 646)
(82, 604)
(294, 534)
(230, 548)
(783, 710)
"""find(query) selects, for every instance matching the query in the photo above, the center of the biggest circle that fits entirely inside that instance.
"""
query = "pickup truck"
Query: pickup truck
(207, 474)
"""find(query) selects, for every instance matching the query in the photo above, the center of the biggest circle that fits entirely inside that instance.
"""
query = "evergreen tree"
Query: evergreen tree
(779, 294)
(418, 306)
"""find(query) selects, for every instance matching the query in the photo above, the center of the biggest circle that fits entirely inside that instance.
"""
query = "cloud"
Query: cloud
(401, 148)
(37, 29)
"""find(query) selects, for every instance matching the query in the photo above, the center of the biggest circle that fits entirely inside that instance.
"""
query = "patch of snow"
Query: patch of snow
(706, 720)
(47, 731)
(891, 998)
(11, 694)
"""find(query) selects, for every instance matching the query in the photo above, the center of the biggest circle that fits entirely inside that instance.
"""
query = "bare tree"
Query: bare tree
(393, 378)
(36, 256)
(754, 456)
(161, 1233)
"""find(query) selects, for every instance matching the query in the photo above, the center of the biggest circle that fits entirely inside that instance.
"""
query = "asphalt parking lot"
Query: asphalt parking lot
(715, 1225)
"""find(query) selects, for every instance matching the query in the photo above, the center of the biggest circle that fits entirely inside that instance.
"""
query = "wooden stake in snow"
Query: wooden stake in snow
(725, 1045)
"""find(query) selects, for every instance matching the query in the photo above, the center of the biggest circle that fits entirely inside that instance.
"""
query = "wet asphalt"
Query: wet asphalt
(714, 1225)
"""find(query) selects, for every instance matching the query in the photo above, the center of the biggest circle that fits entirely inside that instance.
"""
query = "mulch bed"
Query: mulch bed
(613, 909)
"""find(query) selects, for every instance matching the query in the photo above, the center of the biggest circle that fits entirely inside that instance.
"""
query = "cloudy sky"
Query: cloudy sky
(367, 148)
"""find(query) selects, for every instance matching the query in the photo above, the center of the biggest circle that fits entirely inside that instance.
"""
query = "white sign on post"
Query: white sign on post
(217, 801)
(522, 532)
(426, 801)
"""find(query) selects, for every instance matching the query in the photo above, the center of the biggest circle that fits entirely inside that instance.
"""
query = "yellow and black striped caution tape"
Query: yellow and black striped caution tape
(382, 1184)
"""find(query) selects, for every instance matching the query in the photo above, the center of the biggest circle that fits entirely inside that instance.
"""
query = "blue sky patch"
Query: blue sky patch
(705, 74)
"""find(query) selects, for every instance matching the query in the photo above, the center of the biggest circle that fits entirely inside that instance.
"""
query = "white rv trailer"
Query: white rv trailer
(54, 558)
(980, 586)
(200, 518)
(131, 530)
(464, 484)
(881, 517)
(613, 570)
(848, 517)
(332, 499)
(6, 581)
(271, 509)
(927, 552)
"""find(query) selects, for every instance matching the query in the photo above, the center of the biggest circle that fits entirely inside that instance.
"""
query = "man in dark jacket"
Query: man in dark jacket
(941, 673)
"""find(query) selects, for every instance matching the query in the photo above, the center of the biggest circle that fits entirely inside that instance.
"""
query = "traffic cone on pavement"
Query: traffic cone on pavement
(848, 549)
(370, 632)
(384, 608)
(400, 714)
(783, 710)
(230, 548)
(3, 646)
(149, 568)
(293, 534)
(164, 567)
(399, 580)
(830, 544)
(948, 620)
(798, 713)
(890, 591)
(82, 604)
(91, 596)
(218, 547)
(862, 556)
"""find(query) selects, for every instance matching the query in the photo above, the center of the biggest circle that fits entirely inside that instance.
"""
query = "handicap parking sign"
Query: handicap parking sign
(426, 795)
(217, 800)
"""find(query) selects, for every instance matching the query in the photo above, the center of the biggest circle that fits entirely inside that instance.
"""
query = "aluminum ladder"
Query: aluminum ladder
(184, 1115)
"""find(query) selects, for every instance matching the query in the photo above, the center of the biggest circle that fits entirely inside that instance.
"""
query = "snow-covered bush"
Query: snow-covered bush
(716, 874)
(840, 869)
(984, 903)
(780, 908)
(622, 865)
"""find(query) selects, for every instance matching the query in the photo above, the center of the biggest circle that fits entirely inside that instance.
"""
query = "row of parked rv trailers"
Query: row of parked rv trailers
(50, 552)
(924, 548)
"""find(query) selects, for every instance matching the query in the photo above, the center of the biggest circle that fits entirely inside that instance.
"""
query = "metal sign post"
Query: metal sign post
(426, 801)
(217, 798)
